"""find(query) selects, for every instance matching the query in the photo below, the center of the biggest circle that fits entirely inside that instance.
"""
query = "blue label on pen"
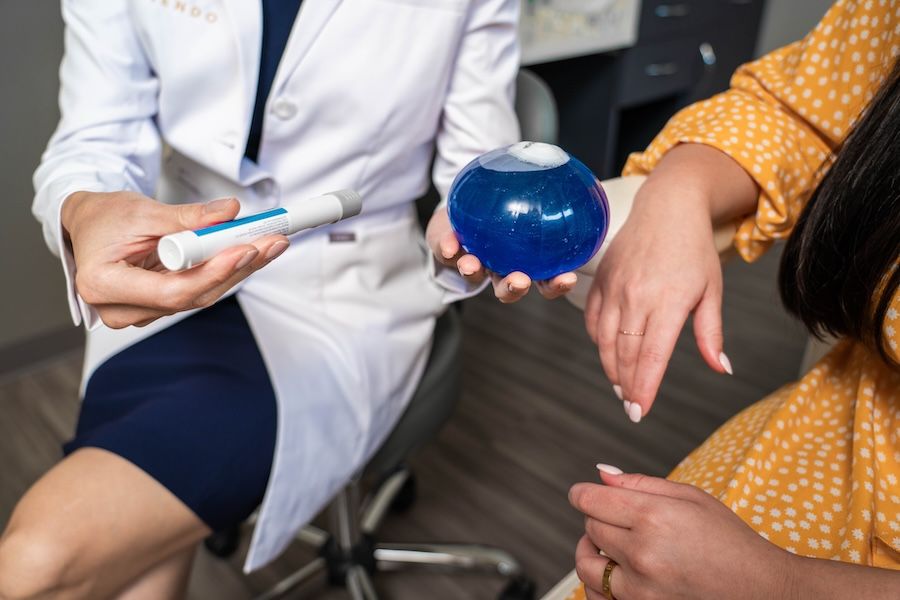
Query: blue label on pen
(236, 223)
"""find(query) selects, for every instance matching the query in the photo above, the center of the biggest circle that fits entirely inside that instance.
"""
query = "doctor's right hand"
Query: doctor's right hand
(449, 252)
(113, 238)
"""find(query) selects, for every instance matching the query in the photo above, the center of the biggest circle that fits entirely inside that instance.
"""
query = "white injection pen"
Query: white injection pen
(186, 249)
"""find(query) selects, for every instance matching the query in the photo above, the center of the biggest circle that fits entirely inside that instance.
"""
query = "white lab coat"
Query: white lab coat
(364, 91)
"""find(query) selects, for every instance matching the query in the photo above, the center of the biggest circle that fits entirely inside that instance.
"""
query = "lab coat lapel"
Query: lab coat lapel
(313, 16)
(246, 25)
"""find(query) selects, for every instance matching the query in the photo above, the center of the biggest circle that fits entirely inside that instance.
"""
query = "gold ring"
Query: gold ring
(607, 574)
(635, 333)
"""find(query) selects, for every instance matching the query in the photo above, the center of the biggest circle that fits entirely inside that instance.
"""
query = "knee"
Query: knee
(32, 565)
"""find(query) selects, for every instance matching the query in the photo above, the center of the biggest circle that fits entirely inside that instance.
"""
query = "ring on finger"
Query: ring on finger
(606, 584)
(636, 333)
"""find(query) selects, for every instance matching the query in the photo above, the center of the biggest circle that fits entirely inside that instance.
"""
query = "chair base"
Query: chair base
(350, 556)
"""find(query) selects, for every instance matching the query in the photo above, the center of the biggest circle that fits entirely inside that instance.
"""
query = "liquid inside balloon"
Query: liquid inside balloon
(529, 207)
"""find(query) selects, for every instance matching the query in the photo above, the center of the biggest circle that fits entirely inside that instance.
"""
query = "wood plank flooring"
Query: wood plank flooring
(536, 415)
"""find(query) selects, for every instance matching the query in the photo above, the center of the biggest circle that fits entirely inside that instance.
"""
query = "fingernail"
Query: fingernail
(634, 412)
(276, 250)
(567, 283)
(217, 205)
(618, 390)
(627, 406)
(246, 259)
(609, 469)
(726, 364)
(466, 272)
(513, 289)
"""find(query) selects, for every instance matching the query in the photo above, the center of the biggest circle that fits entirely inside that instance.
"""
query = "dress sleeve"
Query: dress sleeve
(786, 114)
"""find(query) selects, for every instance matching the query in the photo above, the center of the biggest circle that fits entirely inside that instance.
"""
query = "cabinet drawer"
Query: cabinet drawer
(658, 70)
(741, 13)
(662, 19)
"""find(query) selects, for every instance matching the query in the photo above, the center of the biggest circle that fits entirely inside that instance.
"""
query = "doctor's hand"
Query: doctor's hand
(671, 540)
(446, 248)
(114, 236)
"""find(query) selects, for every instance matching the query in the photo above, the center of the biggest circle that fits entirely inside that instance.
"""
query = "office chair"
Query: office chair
(350, 553)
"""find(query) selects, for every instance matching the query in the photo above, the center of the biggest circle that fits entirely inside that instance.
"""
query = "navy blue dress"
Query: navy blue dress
(193, 405)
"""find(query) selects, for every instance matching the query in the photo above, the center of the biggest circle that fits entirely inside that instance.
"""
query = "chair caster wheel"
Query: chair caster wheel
(519, 588)
(406, 497)
(223, 544)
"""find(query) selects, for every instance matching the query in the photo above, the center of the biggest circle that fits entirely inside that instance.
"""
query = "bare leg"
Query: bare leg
(90, 528)
(167, 580)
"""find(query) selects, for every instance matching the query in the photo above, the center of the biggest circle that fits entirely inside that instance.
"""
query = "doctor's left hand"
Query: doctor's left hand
(113, 238)
(446, 248)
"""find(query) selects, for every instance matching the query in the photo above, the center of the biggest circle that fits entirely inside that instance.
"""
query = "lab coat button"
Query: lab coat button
(229, 140)
(284, 109)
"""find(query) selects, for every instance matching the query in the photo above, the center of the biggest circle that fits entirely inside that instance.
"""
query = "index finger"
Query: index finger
(616, 506)
(450, 248)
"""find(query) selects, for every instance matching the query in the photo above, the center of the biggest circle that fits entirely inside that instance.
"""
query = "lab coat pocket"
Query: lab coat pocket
(377, 274)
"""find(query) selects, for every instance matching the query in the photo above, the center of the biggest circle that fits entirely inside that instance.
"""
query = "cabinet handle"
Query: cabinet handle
(668, 11)
(708, 54)
(661, 69)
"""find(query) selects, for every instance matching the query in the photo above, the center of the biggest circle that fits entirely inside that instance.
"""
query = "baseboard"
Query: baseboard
(25, 355)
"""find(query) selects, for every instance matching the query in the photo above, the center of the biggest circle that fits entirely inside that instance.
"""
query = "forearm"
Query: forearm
(820, 579)
(704, 177)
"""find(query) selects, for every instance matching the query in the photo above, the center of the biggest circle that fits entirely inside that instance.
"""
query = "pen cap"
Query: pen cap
(351, 202)
(180, 250)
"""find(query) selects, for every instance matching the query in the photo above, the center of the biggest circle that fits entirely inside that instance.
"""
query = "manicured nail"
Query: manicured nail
(277, 250)
(726, 364)
(246, 259)
(609, 469)
(618, 390)
(627, 405)
(217, 205)
(513, 289)
(634, 412)
(467, 271)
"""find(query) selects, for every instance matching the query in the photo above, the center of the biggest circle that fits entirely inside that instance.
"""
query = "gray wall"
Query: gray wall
(32, 303)
(786, 21)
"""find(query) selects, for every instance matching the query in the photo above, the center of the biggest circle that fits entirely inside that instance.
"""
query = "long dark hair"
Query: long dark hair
(838, 270)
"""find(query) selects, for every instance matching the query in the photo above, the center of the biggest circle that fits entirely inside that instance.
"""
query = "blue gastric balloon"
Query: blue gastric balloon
(529, 207)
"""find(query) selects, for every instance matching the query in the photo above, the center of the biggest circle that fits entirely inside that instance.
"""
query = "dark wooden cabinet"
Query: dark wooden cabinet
(613, 104)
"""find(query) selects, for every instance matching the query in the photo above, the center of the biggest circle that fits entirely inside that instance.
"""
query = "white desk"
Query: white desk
(556, 29)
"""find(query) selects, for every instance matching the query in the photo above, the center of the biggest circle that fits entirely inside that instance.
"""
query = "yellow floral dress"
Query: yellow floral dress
(814, 467)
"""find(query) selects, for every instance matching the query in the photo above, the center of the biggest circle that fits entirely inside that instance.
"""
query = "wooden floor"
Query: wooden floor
(536, 415)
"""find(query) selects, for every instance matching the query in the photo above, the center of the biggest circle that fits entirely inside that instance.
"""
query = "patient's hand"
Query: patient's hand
(672, 540)
(114, 237)
(662, 266)
(447, 249)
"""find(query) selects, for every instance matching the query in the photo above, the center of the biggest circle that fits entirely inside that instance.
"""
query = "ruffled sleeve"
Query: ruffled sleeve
(786, 114)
